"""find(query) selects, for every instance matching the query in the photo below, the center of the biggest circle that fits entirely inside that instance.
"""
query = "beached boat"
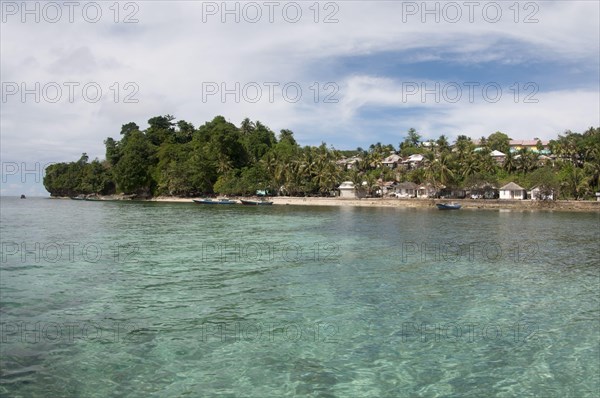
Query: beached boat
(209, 201)
(448, 206)
(256, 202)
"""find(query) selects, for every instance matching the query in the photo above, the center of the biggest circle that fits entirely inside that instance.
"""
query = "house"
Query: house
(512, 191)
(387, 186)
(452, 193)
(532, 145)
(406, 190)
(348, 163)
(347, 191)
(498, 156)
(483, 191)
(391, 161)
(541, 193)
(413, 160)
(426, 191)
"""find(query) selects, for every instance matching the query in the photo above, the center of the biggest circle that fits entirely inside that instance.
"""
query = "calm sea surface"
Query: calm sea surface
(104, 299)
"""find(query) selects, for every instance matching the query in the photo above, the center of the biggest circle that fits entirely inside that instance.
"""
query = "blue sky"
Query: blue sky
(372, 54)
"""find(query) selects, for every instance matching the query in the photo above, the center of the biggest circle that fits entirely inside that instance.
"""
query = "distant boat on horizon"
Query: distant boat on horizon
(23, 196)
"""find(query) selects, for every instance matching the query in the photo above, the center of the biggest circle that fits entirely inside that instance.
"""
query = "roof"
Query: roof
(517, 142)
(414, 158)
(497, 153)
(353, 159)
(407, 185)
(511, 186)
(526, 142)
(346, 184)
(391, 159)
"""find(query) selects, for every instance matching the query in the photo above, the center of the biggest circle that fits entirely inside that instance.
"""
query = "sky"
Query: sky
(348, 73)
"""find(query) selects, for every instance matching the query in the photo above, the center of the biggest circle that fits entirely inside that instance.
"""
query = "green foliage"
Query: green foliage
(499, 142)
(133, 171)
(81, 177)
(175, 158)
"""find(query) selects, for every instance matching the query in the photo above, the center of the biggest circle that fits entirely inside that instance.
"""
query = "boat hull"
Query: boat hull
(256, 202)
(214, 202)
(448, 206)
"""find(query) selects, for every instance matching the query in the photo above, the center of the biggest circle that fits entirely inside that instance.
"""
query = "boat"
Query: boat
(80, 197)
(448, 206)
(23, 197)
(209, 201)
(260, 202)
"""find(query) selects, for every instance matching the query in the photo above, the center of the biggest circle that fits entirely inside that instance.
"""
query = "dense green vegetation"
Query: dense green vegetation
(177, 159)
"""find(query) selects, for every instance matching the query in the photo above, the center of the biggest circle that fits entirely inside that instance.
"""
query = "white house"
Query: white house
(414, 160)
(391, 161)
(512, 191)
(538, 193)
(426, 190)
(347, 191)
(498, 156)
(406, 190)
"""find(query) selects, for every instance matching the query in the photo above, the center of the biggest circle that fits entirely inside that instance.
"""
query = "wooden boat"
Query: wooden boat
(256, 202)
(209, 201)
(448, 206)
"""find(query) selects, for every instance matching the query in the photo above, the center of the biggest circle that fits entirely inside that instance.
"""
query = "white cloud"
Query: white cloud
(170, 53)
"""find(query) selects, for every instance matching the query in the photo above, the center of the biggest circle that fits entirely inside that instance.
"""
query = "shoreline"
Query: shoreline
(471, 204)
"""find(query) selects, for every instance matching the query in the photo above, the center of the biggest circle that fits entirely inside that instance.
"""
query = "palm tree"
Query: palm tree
(509, 162)
(443, 168)
(442, 143)
(224, 164)
(247, 126)
(575, 182)
(429, 170)
(470, 165)
(592, 169)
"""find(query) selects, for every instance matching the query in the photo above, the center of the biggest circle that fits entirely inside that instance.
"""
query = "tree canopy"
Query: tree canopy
(174, 158)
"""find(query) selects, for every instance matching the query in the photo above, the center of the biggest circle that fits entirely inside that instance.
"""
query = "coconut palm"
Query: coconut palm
(509, 162)
(575, 182)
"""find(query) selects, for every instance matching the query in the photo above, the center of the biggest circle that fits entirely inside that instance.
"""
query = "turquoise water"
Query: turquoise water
(155, 299)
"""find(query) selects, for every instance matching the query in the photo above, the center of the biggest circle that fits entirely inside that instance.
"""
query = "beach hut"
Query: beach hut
(406, 190)
(427, 191)
(541, 193)
(512, 191)
(348, 191)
